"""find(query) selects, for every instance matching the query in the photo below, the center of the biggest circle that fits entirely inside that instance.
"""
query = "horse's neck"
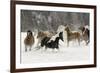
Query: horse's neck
(68, 33)
(57, 39)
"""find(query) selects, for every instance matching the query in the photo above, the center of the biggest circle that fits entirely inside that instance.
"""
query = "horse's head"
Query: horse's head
(67, 29)
(29, 33)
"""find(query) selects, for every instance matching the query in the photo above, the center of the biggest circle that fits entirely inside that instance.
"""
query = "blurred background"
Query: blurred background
(50, 20)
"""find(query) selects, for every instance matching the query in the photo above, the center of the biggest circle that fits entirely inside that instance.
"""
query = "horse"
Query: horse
(29, 40)
(48, 43)
(72, 35)
(85, 34)
(43, 34)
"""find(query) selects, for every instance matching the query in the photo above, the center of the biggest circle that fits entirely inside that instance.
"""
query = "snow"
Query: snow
(74, 52)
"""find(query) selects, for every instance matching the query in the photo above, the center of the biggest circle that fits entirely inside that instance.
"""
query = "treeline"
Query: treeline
(50, 20)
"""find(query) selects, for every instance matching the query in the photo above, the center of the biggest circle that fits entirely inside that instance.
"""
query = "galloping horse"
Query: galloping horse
(48, 43)
(43, 34)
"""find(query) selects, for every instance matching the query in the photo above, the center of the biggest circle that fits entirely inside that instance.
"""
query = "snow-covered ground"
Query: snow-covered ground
(65, 54)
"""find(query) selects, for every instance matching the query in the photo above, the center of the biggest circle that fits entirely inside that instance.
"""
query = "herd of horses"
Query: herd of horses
(50, 40)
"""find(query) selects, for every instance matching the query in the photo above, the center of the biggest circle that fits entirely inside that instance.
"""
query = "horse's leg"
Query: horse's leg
(58, 49)
(79, 41)
(87, 42)
(25, 48)
(45, 48)
(67, 43)
(30, 48)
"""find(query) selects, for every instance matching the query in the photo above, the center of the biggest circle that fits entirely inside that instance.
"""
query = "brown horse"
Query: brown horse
(72, 35)
(29, 40)
(85, 34)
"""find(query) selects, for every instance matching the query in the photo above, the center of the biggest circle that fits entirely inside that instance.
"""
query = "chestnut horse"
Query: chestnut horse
(72, 35)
